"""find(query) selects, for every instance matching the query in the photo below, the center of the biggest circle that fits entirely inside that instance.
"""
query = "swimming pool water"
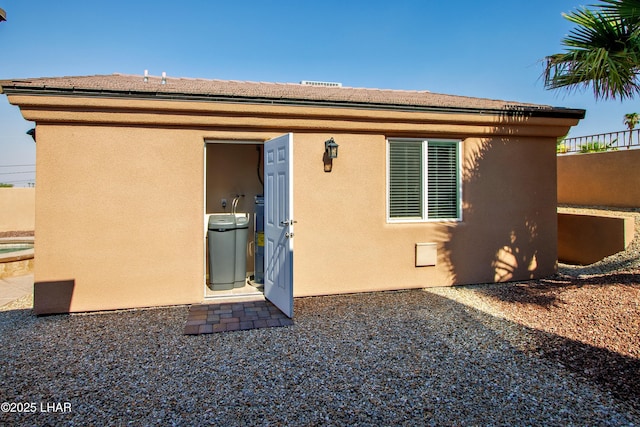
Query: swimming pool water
(14, 247)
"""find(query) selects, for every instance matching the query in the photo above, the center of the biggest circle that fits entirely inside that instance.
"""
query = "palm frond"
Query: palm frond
(621, 9)
(601, 52)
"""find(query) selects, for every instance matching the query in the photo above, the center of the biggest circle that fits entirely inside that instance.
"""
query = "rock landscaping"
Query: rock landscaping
(559, 351)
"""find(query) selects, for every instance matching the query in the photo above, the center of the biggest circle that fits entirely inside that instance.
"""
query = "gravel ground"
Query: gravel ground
(392, 358)
(586, 318)
(510, 354)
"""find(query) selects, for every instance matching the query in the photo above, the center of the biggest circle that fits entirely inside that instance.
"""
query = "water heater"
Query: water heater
(258, 226)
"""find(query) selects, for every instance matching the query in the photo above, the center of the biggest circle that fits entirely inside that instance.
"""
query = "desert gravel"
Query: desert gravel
(448, 356)
(393, 358)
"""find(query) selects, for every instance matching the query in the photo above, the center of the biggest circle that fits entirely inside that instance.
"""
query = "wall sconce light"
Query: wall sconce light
(32, 133)
(331, 148)
(330, 153)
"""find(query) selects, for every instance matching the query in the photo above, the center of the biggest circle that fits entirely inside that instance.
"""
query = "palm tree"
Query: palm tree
(603, 51)
(627, 9)
(631, 120)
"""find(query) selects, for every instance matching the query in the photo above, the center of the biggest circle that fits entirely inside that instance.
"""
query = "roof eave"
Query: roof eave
(516, 110)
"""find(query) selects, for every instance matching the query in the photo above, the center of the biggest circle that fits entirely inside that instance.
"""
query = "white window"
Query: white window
(423, 180)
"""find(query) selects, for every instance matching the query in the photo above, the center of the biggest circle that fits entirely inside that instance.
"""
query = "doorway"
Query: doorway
(233, 171)
(240, 172)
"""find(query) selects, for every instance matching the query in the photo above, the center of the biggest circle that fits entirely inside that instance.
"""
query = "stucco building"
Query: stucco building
(427, 189)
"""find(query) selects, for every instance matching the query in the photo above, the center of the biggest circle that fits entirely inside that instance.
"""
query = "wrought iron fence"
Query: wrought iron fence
(611, 141)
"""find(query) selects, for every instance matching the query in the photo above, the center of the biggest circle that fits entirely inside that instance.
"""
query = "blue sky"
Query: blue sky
(490, 49)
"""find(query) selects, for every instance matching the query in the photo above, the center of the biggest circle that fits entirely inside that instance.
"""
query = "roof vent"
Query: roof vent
(323, 84)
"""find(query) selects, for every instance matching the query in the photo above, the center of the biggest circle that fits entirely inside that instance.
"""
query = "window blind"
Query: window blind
(405, 179)
(424, 179)
(442, 187)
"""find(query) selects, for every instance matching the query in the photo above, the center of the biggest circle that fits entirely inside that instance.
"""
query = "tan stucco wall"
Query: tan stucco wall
(120, 198)
(17, 209)
(344, 243)
(603, 179)
(585, 239)
(119, 218)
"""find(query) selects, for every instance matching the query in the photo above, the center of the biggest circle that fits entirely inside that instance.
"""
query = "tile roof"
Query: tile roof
(275, 93)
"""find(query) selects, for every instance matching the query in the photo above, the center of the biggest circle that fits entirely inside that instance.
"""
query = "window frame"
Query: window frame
(425, 180)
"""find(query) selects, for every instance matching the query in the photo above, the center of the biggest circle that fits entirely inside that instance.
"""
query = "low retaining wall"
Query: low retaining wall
(16, 268)
(19, 262)
(585, 239)
(611, 178)
(17, 209)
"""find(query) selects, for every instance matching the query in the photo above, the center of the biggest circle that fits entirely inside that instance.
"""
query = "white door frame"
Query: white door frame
(204, 201)
(282, 300)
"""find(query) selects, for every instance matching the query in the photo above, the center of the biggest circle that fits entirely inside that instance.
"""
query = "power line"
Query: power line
(15, 173)
(18, 179)
(15, 166)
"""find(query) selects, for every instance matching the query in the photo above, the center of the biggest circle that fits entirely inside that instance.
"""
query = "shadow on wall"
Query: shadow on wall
(506, 231)
(53, 297)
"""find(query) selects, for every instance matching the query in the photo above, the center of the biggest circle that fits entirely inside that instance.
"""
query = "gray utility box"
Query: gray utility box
(221, 234)
(227, 240)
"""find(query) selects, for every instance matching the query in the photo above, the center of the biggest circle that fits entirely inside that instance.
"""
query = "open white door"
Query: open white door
(278, 222)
